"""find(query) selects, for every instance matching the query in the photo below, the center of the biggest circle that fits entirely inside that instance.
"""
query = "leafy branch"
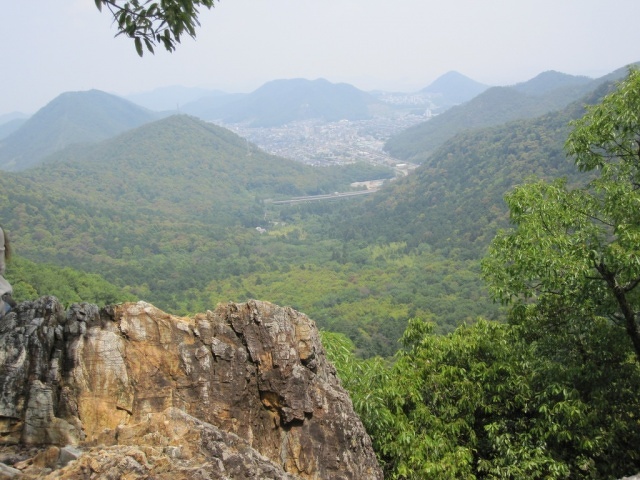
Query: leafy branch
(152, 23)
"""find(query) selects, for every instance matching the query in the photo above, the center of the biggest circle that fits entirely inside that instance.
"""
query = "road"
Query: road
(314, 198)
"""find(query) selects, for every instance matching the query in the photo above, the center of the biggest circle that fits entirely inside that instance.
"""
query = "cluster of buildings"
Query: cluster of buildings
(320, 143)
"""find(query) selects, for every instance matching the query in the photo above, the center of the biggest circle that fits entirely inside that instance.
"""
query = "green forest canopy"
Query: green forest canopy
(168, 213)
(553, 392)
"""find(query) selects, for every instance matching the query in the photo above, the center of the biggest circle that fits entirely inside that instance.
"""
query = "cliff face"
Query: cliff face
(244, 391)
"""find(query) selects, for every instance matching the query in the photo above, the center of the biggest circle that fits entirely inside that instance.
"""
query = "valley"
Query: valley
(389, 229)
(298, 212)
(273, 240)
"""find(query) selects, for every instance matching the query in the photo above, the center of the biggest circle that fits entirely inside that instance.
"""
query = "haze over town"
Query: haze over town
(52, 47)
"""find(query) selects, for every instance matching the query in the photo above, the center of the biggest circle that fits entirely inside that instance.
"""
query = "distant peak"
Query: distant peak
(452, 77)
(550, 80)
(455, 88)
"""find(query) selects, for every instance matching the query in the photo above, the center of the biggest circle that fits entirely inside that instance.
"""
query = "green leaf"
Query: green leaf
(149, 45)
(138, 43)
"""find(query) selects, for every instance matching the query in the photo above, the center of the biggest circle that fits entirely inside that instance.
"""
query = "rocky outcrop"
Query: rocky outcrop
(129, 391)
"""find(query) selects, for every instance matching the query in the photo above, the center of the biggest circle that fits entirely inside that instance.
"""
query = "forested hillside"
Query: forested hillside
(557, 82)
(547, 92)
(481, 308)
(168, 212)
(73, 117)
(32, 280)
(454, 201)
(184, 166)
(552, 393)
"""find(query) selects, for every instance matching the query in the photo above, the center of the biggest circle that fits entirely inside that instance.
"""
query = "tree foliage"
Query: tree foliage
(574, 254)
(487, 402)
(553, 394)
(32, 280)
(168, 212)
(149, 22)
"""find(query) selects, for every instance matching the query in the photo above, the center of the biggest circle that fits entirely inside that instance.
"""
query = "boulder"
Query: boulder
(129, 391)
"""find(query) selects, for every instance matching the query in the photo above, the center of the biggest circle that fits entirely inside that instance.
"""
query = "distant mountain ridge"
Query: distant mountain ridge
(282, 101)
(172, 98)
(455, 198)
(72, 117)
(551, 80)
(11, 126)
(544, 93)
(9, 117)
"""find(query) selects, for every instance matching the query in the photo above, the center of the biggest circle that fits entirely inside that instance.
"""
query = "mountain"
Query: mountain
(181, 164)
(454, 200)
(73, 117)
(168, 213)
(8, 117)
(205, 107)
(11, 126)
(453, 88)
(175, 180)
(171, 98)
(170, 210)
(546, 92)
(551, 80)
(10, 122)
(283, 101)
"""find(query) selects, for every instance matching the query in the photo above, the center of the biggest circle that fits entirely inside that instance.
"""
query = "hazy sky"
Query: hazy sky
(48, 47)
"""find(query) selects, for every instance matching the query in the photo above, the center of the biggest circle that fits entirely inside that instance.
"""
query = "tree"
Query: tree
(151, 23)
(554, 393)
(574, 254)
(486, 402)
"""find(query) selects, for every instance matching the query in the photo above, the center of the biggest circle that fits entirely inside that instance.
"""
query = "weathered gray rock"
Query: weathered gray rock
(244, 391)
(9, 472)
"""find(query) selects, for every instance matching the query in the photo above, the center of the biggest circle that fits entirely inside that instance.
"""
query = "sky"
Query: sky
(48, 47)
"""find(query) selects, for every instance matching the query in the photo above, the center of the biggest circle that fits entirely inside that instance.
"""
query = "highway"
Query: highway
(315, 198)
